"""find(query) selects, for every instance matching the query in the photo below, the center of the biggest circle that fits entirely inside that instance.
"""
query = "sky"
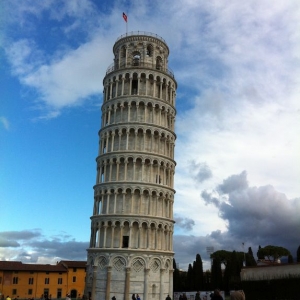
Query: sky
(237, 65)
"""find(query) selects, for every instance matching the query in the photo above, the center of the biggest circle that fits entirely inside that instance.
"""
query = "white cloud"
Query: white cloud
(238, 73)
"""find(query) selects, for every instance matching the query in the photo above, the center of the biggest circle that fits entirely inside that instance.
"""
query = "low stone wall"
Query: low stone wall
(270, 272)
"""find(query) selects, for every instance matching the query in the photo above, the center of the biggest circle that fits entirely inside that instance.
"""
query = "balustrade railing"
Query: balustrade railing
(113, 68)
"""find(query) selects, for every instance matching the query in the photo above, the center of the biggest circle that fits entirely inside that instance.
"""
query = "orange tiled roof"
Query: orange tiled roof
(19, 266)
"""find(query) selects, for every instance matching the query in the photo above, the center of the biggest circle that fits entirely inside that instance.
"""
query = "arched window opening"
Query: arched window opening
(136, 58)
(149, 51)
(123, 52)
(134, 87)
(158, 63)
(125, 242)
(104, 147)
(102, 174)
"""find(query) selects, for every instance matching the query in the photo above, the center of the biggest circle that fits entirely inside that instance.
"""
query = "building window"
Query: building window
(47, 272)
(31, 272)
(125, 243)
(14, 291)
(30, 280)
(74, 269)
(46, 293)
(74, 278)
(47, 280)
(30, 292)
(15, 280)
(59, 281)
(0, 280)
(58, 294)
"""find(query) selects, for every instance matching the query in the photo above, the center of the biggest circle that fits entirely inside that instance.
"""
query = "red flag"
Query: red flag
(124, 17)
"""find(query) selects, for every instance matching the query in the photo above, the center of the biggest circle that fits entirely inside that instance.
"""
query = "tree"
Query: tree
(273, 253)
(198, 273)
(298, 254)
(176, 277)
(259, 254)
(190, 278)
(216, 274)
(225, 256)
(290, 259)
(250, 261)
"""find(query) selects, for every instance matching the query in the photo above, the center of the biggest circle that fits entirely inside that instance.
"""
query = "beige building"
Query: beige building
(131, 244)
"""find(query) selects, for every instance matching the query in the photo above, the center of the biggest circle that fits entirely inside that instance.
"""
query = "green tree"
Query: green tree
(198, 273)
(272, 253)
(259, 254)
(250, 261)
(176, 277)
(216, 274)
(190, 278)
(225, 256)
(298, 254)
(290, 259)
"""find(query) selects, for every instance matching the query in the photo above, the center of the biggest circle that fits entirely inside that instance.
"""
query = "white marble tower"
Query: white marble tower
(131, 245)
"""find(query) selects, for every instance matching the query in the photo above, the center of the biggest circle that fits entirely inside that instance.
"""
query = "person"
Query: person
(197, 296)
(168, 297)
(133, 297)
(237, 294)
(8, 298)
(113, 298)
(138, 297)
(180, 297)
(217, 295)
(68, 297)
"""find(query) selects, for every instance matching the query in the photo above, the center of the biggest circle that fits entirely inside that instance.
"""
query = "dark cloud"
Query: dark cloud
(234, 183)
(257, 215)
(57, 247)
(200, 171)
(20, 235)
(8, 243)
(209, 198)
(184, 223)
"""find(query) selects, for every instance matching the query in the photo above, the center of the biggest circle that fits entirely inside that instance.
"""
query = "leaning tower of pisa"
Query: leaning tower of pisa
(131, 243)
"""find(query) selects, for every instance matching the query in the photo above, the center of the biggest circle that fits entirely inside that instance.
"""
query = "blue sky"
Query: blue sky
(238, 121)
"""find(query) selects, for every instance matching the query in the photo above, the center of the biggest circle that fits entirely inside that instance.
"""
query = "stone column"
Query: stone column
(104, 236)
(161, 289)
(112, 236)
(146, 284)
(127, 284)
(94, 282)
(112, 141)
(171, 271)
(117, 87)
(108, 280)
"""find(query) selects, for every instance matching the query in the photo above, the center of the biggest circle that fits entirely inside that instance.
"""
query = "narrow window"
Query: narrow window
(59, 281)
(30, 280)
(47, 280)
(125, 243)
(74, 278)
(15, 280)
(30, 292)
(14, 291)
